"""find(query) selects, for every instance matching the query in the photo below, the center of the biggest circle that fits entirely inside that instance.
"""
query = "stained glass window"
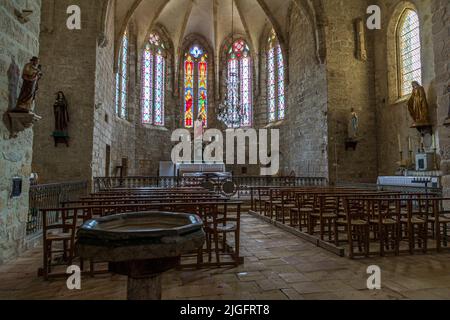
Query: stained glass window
(122, 79)
(188, 91)
(271, 85)
(195, 86)
(153, 81)
(410, 65)
(203, 90)
(159, 91)
(240, 74)
(275, 80)
(147, 86)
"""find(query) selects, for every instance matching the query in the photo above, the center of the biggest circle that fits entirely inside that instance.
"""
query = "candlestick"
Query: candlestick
(411, 161)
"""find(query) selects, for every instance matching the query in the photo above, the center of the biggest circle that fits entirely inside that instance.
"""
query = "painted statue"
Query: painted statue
(31, 75)
(353, 125)
(60, 109)
(418, 106)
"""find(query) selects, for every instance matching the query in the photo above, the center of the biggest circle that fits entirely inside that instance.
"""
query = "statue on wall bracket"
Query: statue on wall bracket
(352, 131)
(61, 112)
(418, 109)
(20, 116)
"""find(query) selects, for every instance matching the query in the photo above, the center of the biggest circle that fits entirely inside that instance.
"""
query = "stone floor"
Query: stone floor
(277, 265)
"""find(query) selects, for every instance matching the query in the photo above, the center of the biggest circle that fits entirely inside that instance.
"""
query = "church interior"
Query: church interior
(225, 149)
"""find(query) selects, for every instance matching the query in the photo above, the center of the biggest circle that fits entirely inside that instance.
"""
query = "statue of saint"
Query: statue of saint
(60, 109)
(30, 75)
(353, 125)
(418, 106)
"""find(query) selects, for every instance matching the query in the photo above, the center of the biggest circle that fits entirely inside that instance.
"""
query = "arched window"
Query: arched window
(195, 86)
(239, 85)
(122, 79)
(153, 81)
(275, 80)
(409, 51)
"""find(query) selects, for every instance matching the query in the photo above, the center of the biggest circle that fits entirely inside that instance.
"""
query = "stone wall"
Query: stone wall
(392, 112)
(143, 145)
(319, 95)
(304, 132)
(109, 129)
(350, 85)
(68, 58)
(441, 39)
(18, 43)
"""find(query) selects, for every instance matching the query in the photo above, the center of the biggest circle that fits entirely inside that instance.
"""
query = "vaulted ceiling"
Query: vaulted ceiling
(212, 20)
(209, 18)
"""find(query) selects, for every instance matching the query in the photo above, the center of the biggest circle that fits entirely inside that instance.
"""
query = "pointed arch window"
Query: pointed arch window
(239, 85)
(275, 80)
(409, 51)
(153, 81)
(122, 79)
(195, 86)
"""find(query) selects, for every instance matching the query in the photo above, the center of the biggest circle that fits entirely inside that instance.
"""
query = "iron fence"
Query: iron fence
(47, 196)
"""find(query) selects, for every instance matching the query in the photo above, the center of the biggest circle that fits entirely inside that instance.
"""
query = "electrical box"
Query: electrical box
(16, 187)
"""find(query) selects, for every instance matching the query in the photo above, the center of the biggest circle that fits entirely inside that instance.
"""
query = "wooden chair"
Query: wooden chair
(59, 227)
(287, 202)
(357, 224)
(325, 213)
(440, 222)
(384, 218)
(218, 224)
(414, 226)
(274, 199)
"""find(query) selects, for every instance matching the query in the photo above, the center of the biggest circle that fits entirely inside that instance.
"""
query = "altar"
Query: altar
(169, 169)
(412, 179)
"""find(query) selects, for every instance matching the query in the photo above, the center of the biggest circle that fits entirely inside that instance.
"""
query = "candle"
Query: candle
(409, 144)
(399, 143)
(434, 142)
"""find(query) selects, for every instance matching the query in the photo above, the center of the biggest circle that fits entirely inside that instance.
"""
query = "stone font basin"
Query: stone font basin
(141, 245)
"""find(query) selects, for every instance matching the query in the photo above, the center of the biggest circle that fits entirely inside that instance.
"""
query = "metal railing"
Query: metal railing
(47, 196)
(242, 182)
(394, 188)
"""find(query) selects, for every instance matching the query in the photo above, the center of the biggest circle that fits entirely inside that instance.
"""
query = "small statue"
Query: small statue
(31, 75)
(353, 125)
(60, 109)
(418, 106)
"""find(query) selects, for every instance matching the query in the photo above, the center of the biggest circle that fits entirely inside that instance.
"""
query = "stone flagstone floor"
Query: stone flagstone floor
(277, 265)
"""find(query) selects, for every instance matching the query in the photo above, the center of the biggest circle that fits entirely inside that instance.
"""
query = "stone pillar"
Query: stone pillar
(68, 59)
(441, 41)
(144, 288)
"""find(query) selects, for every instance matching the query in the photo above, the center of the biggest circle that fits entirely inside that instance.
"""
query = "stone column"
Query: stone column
(144, 288)
(441, 11)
